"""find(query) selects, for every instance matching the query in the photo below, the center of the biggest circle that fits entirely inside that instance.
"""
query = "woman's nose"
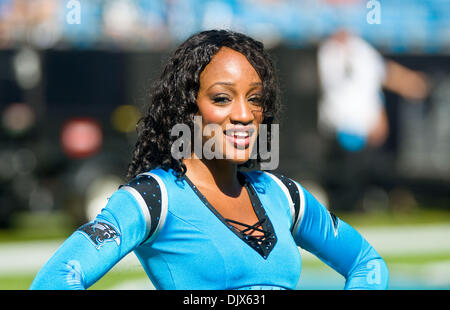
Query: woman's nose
(241, 112)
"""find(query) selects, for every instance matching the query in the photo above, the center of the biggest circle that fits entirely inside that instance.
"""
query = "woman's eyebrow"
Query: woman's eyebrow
(221, 83)
(254, 84)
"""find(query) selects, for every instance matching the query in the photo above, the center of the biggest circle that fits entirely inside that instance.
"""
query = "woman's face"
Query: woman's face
(229, 102)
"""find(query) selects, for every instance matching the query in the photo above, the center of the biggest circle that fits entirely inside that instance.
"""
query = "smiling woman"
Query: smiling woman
(181, 93)
(203, 223)
(230, 96)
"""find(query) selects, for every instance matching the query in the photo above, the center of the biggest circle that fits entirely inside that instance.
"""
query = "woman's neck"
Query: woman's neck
(213, 174)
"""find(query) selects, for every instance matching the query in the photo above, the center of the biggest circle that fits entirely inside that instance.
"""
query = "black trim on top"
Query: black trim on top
(262, 245)
(149, 189)
(293, 192)
(335, 220)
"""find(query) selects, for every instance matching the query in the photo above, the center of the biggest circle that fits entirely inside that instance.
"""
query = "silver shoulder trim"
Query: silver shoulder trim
(164, 206)
(142, 205)
(286, 193)
(301, 208)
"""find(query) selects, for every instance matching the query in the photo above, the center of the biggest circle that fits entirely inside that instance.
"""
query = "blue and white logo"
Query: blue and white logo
(100, 232)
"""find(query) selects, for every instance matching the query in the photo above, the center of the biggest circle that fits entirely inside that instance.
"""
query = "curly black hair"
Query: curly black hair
(174, 98)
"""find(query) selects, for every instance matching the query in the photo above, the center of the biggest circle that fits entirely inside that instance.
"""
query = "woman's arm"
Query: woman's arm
(94, 248)
(339, 245)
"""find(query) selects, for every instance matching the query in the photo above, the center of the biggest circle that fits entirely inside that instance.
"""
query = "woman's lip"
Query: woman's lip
(247, 129)
(240, 142)
(240, 136)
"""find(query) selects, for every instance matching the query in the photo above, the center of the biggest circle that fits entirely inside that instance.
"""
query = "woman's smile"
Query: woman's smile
(240, 136)
(230, 96)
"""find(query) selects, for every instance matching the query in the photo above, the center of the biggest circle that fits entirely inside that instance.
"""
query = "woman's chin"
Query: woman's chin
(238, 161)
(238, 157)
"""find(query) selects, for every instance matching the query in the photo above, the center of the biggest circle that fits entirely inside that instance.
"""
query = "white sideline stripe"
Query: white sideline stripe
(29, 256)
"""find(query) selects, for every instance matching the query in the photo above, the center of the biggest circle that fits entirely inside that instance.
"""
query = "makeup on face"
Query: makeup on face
(230, 96)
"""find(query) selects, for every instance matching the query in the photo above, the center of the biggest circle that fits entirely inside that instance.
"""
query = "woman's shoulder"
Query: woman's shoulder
(156, 177)
(150, 194)
(275, 179)
(148, 188)
(273, 175)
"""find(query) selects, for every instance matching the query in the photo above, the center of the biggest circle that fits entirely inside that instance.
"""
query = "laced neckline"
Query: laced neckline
(262, 243)
(247, 233)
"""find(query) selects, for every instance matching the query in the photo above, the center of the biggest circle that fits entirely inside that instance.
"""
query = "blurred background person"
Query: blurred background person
(352, 112)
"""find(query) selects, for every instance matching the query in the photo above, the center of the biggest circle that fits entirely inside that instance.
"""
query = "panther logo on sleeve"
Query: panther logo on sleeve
(100, 232)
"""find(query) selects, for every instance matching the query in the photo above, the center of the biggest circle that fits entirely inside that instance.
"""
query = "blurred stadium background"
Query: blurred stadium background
(75, 76)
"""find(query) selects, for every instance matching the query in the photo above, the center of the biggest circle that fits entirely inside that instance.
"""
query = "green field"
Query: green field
(117, 277)
(57, 225)
(110, 280)
(419, 271)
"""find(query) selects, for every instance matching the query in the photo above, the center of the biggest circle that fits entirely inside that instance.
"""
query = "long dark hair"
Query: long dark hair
(174, 97)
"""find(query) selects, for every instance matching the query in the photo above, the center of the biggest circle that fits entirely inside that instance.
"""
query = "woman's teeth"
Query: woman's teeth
(241, 134)
(238, 133)
(238, 138)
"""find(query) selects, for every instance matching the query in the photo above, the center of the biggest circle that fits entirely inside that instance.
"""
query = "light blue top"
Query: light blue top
(189, 246)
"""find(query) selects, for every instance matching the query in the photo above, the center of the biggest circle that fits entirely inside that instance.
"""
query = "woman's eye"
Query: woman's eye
(221, 100)
(255, 100)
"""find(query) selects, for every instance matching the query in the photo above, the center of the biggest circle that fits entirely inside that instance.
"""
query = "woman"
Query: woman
(197, 222)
